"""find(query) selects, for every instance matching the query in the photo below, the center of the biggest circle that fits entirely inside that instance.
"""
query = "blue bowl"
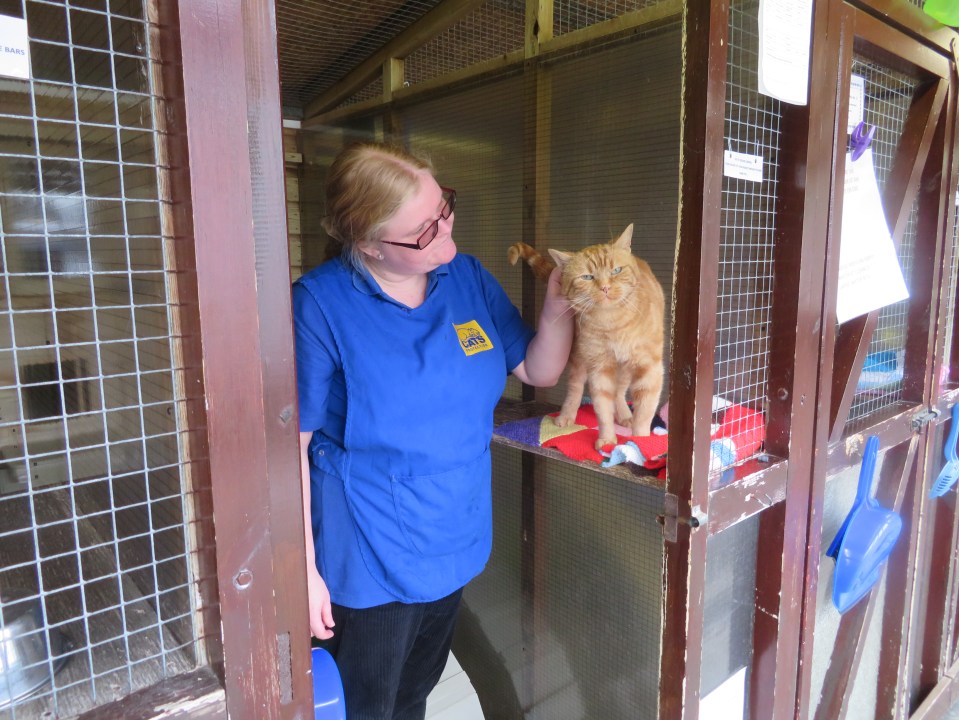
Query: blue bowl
(328, 701)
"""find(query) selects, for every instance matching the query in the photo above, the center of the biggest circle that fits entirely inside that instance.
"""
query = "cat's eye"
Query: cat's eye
(585, 277)
(616, 271)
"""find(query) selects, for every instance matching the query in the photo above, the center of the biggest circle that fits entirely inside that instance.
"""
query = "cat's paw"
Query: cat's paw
(563, 420)
(605, 442)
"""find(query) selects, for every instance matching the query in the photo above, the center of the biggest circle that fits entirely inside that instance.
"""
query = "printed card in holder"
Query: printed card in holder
(870, 276)
(14, 48)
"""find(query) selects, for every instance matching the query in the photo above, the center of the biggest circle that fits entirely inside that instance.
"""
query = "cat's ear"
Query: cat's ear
(559, 257)
(625, 241)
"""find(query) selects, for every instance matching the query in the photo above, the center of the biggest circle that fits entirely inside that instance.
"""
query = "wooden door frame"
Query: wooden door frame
(921, 43)
(232, 199)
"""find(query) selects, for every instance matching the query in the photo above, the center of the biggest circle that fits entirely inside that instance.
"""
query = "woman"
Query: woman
(402, 351)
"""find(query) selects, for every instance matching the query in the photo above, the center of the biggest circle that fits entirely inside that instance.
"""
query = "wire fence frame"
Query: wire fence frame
(142, 385)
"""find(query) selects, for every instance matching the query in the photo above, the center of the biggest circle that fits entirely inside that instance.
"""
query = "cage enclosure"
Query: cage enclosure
(560, 130)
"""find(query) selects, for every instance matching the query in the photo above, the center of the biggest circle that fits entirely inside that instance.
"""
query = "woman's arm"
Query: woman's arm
(321, 612)
(548, 351)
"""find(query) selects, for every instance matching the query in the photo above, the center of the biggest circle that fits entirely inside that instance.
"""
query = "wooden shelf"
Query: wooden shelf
(510, 410)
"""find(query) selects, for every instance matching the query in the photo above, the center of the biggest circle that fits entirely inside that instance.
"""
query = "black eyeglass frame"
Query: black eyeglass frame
(433, 228)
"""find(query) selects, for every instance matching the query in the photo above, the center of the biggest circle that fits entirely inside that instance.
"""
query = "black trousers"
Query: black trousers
(391, 656)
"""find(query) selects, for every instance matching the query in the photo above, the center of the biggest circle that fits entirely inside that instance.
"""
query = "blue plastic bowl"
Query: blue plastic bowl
(328, 701)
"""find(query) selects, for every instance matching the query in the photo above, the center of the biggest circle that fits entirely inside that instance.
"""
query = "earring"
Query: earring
(379, 256)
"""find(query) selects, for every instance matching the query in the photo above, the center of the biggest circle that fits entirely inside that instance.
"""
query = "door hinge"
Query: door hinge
(921, 419)
(670, 518)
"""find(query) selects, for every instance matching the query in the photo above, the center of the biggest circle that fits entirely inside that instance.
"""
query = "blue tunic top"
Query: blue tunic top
(400, 401)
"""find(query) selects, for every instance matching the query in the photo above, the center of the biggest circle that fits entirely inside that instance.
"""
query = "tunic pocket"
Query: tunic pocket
(446, 512)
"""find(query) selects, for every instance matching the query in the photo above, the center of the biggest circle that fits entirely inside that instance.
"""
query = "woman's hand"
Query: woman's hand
(321, 611)
(548, 351)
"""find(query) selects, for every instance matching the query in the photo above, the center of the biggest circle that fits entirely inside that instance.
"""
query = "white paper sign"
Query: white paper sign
(857, 101)
(728, 701)
(870, 276)
(784, 33)
(743, 166)
(14, 47)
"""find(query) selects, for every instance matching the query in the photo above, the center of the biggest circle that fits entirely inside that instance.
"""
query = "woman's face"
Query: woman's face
(409, 222)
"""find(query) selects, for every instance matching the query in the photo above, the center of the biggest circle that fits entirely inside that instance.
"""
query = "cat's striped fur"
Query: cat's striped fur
(618, 346)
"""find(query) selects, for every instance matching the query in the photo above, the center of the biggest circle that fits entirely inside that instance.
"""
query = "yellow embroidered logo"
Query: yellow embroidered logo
(472, 338)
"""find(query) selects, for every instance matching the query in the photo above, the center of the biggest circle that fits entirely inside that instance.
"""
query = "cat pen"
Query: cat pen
(141, 211)
(623, 591)
(563, 146)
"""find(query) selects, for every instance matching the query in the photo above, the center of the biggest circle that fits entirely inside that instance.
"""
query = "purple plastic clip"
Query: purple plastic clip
(860, 139)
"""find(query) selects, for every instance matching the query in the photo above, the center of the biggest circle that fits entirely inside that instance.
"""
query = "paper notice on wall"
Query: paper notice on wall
(784, 35)
(728, 701)
(743, 166)
(14, 47)
(870, 276)
(857, 101)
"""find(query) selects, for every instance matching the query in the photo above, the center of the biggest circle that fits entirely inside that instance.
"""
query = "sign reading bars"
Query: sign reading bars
(785, 28)
(14, 48)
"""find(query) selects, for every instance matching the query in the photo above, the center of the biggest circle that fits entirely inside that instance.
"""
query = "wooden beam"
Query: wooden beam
(437, 20)
(235, 158)
(692, 348)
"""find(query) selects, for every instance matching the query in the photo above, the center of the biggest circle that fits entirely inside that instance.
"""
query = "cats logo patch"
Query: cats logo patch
(472, 338)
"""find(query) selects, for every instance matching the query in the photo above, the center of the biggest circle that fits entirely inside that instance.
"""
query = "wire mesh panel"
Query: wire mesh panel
(569, 629)
(746, 242)
(96, 511)
(494, 28)
(570, 15)
(887, 98)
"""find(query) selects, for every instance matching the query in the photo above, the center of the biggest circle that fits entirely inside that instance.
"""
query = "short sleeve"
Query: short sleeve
(514, 333)
(315, 360)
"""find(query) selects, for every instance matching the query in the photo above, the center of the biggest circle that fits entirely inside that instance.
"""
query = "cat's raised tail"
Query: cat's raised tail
(541, 265)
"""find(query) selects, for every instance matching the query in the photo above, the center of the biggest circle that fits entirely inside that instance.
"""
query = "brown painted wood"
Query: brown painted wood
(909, 19)
(898, 197)
(896, 48)
(796, 338)
(233, 130)
(942, 697)
(894, 479)
(196, 695)
(183, 284)
(832, 61)
(761, 486)
(691, 352)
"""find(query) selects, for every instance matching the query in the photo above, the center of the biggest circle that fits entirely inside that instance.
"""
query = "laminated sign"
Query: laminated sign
(14, 48)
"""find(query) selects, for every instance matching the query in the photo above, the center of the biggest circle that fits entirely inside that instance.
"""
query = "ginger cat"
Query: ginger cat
(618, 346)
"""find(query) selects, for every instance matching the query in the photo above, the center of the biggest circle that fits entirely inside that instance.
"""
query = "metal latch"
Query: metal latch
(921, 419)
(670, 518)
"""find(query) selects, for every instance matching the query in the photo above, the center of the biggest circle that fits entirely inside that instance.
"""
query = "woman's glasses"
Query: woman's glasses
(449, 194)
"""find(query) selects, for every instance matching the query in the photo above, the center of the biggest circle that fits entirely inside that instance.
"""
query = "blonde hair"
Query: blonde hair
(367, 183)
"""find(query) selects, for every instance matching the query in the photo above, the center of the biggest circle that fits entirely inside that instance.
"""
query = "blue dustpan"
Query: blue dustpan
(327, 688)
(950, 471)
(863, 543)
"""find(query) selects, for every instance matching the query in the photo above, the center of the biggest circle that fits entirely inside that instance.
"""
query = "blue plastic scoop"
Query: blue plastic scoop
(863, 543)
(327, 687)
(950, 471)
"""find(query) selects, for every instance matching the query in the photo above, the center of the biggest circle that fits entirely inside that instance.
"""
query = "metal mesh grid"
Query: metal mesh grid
(93, 503)
(888, 96)
(747, 229)
(321, 41)
(494, 28)
(593, 561)
(373, 90)
(572, 15)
